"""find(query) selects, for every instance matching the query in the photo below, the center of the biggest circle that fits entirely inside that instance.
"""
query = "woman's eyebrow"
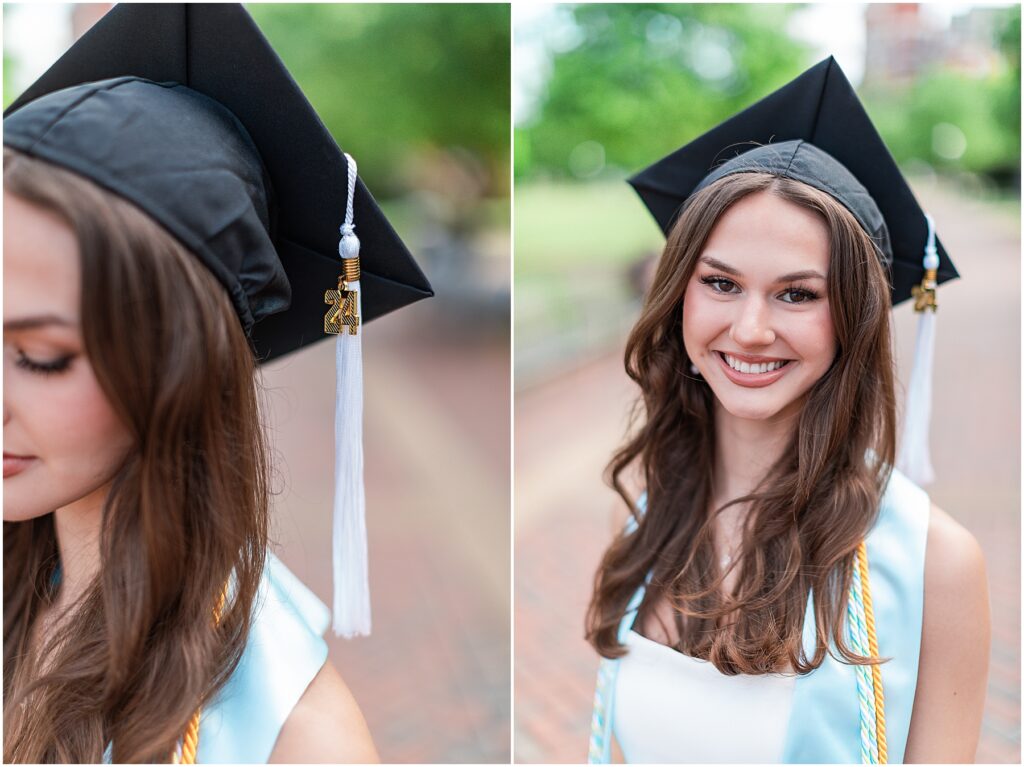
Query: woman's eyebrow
(38, 321)
(714, 263)
(806, 274)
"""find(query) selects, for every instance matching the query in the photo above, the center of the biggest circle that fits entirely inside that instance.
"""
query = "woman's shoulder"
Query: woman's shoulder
(955, 640)
(955, 576)
(955, 585)
(311, 733)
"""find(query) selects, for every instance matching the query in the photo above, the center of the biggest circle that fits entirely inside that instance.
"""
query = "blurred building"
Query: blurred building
(904, 39)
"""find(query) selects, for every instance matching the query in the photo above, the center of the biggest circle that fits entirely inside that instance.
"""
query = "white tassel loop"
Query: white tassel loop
(914, 457)
(351, 575)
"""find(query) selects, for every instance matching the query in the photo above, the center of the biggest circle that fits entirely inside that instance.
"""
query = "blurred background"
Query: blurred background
(601, 91)
(419, 94)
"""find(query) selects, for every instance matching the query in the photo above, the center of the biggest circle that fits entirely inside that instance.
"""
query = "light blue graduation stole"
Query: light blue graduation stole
(283, 653)
(827, 723)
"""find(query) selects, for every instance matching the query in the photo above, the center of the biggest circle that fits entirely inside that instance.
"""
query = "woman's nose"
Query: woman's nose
(753, 328)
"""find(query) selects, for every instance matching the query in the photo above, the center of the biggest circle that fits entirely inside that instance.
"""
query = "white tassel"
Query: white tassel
(914, 457)
(351, 578)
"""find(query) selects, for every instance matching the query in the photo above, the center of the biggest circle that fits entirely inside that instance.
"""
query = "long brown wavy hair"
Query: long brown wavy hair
(187, 509)
(815, 504)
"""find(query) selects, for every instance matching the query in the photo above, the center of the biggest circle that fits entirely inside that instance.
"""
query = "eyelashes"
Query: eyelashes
(43, 368)
(798, 295)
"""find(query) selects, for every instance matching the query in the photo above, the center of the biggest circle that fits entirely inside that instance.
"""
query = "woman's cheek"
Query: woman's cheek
(821, 335)
(86, 440)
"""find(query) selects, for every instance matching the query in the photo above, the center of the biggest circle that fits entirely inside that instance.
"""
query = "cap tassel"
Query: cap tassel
(351, 580)
(914, 458)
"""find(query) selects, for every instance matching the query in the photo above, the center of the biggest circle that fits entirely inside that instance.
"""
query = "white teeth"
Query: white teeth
(746, 367)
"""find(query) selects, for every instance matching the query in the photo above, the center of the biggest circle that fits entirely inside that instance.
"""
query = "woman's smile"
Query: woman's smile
(755, 375)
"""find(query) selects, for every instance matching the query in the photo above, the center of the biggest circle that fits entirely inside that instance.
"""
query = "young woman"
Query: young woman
(136, 484)
(161, 240)
(725, 608)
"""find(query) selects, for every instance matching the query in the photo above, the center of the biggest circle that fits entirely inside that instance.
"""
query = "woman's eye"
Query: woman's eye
(43, 368)
(799, 296)
(719, 284)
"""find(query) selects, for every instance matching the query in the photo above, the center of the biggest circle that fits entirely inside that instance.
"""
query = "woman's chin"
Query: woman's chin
(20, 512)
(742, 408)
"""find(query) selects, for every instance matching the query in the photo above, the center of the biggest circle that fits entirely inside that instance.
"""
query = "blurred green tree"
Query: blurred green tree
(645, 78)
(395, 83)
(635, 81)
(10, 66)
(958, 121)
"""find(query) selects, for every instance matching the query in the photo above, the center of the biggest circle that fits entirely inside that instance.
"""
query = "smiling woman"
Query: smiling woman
(773, 565)
(755, 317)
(758, 226)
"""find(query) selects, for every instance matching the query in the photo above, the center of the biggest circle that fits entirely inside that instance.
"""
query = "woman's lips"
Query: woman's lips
(751, 380)
(15, 464)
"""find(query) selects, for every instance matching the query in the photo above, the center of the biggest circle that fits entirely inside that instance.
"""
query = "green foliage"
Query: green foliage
(638, 80)
(980, 116)
(10, 67)
(646, 78)
(9, 91)
(393, 82)
(913, 122)
(1007, 96)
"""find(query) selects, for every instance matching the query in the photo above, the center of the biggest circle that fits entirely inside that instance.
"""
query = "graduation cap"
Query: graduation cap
(815, 130)
(186, 111)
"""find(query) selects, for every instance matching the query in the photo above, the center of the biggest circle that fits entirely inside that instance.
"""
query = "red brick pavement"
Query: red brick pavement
(564, 434)
(566, 430)
(433, 680)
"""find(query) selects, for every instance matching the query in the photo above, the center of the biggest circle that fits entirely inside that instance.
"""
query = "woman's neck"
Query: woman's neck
(77, 527)
(744, 452)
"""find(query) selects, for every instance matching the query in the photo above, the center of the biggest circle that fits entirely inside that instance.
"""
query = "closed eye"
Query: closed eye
(43, 368)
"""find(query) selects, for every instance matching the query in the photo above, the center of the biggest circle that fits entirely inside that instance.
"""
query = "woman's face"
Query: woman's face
(55, 414)
(757, 299)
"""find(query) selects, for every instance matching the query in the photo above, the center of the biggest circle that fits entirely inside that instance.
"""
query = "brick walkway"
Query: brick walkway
(433, 680)
(567, 429)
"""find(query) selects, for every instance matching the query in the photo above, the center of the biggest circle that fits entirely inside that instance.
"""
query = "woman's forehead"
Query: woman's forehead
(767, 234)
(41, 265)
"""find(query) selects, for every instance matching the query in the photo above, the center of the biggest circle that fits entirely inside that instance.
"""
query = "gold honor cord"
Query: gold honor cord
(190, 740)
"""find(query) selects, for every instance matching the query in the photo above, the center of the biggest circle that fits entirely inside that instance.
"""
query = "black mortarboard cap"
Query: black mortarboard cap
(813, 129)
(186, 111)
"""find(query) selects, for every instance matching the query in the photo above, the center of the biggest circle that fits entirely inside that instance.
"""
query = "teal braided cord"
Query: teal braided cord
(597, 753)
(865, 686)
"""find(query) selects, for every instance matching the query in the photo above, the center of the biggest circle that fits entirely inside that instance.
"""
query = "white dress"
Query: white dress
(670, 704)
